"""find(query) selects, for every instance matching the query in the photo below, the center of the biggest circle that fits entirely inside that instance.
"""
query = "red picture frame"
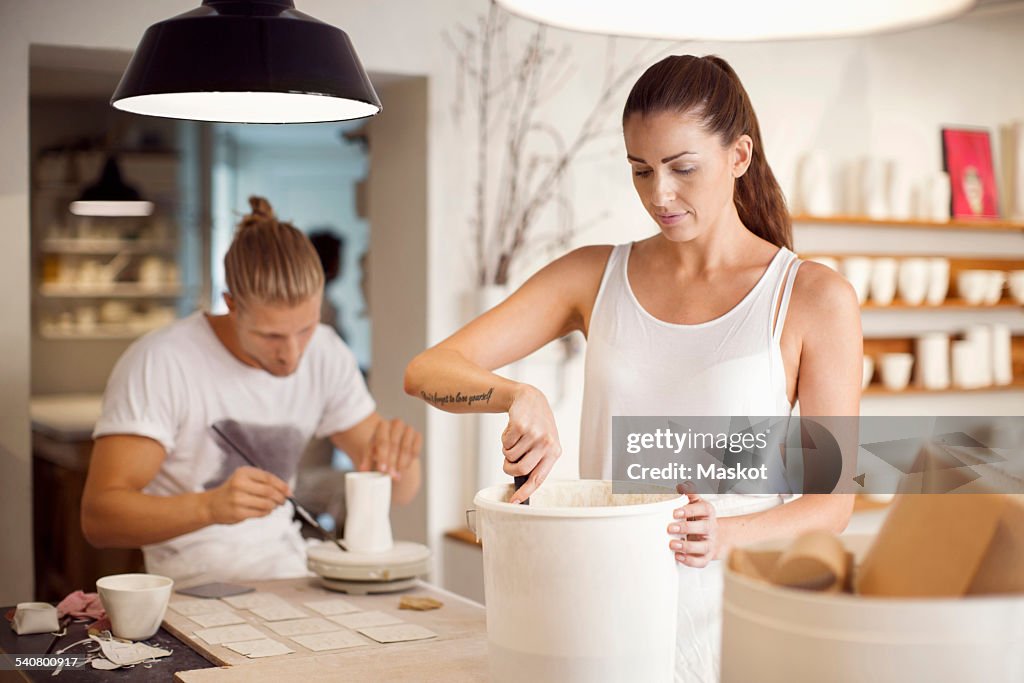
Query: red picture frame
(967, 156)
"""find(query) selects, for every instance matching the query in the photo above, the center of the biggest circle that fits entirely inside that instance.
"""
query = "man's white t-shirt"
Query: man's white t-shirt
(175, 383)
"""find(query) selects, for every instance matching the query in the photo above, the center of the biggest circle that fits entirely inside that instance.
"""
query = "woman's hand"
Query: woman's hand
(530, 442)
(695, 531)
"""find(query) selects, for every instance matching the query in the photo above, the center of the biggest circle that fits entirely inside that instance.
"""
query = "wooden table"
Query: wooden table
(459, 653)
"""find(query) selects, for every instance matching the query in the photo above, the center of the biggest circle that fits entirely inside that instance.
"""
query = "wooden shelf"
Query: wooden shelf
(104, 246)
(953, 303)
(994, 225)
(463, 535)
(877, 389)
(126, 290)
(99, 334)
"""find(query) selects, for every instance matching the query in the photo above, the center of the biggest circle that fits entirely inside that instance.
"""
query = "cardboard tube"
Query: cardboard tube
(815, 561)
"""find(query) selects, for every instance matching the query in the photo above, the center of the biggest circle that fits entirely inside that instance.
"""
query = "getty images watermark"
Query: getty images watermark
(794, 455)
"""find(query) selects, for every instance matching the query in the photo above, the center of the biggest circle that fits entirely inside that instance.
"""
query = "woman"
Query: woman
(713, 315)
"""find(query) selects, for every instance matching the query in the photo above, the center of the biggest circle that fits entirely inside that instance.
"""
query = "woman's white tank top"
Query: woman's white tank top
(639, 365)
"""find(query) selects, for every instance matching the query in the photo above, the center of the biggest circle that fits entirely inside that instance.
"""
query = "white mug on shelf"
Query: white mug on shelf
(814, 185)
(883, 280)
(913, 280)
(1016, 280)
(981, 337)
(994, 291)
(857, 270)
(873, 187)
(938, 197)
(966, 373)
(900, 196)
(932, 351)
(896, 369)
(938, 281)
(869, 371)
(1002, 354)
(972, 285)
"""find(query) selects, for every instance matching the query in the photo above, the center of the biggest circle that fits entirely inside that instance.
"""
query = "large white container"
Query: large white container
(774, 634)
(580, 585)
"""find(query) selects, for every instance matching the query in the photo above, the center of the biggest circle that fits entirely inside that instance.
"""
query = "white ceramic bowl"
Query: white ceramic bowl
(869, 371)
(135, 603)
(973, 285)
(1016, 279)
(896, 370)
(994, 291)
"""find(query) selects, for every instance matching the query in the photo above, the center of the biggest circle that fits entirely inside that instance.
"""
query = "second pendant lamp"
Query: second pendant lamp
(246, 61)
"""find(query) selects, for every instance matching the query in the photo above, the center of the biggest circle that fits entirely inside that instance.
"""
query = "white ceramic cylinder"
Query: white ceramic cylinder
(981, 337)
(1016, 280)
(972, 285)
(857, 271)
(135, 603)
(896, 369)
(913, 280)
(994, 290)
(814, 185)
(580, 587)
(869, 371)
(368, 512)
(1002, 355)
(883, 280)
(938, 280)
(939, 194)
(932, 352)
(875, 192)
(900, 195)
(965, 364)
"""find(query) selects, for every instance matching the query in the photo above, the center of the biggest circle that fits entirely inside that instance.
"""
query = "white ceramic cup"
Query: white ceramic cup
(869, 371)
(367, 512)
(965, 364)
(994, 291)
(896, 370)
(1002, 354)
(135, 603)
(857, 270)
(981, 336)
(938, 280)
(874, 188)
(932, 351)
(972, 286)
(1016, 280)
(883, 280)
(938, 196)
(913, 280)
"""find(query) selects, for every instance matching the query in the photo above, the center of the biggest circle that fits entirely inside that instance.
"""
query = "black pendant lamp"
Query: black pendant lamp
(246, 61)
(111, 196)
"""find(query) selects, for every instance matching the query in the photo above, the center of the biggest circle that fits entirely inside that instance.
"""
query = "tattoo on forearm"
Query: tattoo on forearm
(457, 397)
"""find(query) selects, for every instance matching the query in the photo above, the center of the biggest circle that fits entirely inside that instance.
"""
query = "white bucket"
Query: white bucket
(580, 585)
(779, 634)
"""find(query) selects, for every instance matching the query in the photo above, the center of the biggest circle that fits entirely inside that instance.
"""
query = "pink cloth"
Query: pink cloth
(79, 605)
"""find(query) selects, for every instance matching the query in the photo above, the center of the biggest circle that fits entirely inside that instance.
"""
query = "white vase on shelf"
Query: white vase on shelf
(814, 185)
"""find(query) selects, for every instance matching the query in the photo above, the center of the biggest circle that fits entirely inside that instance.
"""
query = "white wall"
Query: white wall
(887, 94)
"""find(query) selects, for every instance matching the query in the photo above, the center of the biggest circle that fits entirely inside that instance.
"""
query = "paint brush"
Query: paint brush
(306, 516)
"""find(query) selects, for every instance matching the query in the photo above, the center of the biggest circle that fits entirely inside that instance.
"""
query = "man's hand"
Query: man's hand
(394, 446)
(249, 492)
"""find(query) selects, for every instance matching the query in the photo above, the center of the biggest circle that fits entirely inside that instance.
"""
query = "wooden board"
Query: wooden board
(459, 619)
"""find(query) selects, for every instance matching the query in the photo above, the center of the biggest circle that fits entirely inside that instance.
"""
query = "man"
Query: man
(268, 377)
